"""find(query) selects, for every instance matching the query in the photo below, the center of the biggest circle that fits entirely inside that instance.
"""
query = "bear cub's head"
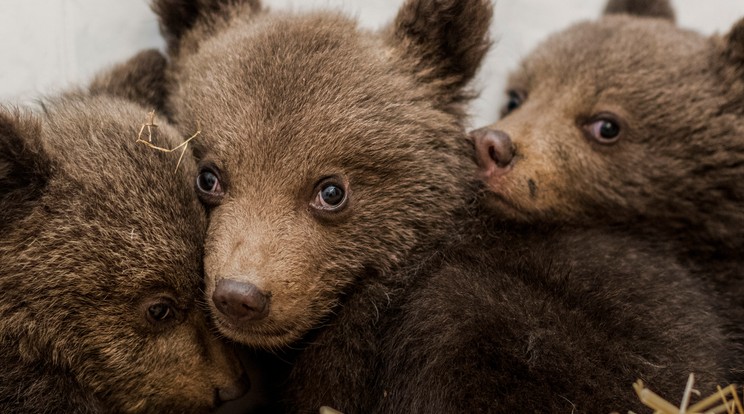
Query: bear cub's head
(332, 153)
(102, 307)
(625, 118)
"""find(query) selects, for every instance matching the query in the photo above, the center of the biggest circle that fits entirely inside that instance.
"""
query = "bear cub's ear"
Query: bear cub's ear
(177, 17)
(447, 39)
(661, 9)
(24, 167)
(140, 79)
(735, 44)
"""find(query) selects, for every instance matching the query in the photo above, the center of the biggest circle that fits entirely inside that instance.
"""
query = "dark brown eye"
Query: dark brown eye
(208, 185)
(208, 182)
(515, 99)
(331, 196)
(605, 129)
(160, 311)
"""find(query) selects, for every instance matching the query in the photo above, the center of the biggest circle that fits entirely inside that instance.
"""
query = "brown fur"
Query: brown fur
(270, 140)
(185, 23)
(140, 79)
(372, 307)
(660, 9)
(277, 96)
(675, 172)
(547, 322)
(96, 229)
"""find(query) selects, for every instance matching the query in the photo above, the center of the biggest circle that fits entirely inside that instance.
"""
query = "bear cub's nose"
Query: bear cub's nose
(240, 301)
(495, 148)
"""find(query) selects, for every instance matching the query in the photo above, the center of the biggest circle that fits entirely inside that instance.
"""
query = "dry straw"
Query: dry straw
(726, 400)
(150, 125)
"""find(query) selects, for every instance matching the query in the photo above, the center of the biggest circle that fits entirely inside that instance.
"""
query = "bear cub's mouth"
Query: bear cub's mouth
(252, 332)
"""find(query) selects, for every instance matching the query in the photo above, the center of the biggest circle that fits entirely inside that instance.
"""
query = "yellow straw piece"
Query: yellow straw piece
(328, 410)
(717, 403)
(150, 124)
(653, 400)
(702, 405)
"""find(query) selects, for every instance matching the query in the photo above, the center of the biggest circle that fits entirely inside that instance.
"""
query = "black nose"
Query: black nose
(235, 390)
(494, 147)
(240, 300)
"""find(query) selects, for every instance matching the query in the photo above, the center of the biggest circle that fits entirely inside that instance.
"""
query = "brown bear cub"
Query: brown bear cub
(341, 189)
(629, 121)
(101, 277)
(312, 127)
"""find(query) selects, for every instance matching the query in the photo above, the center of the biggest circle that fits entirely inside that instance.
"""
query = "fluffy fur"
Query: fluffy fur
(271, 116)
(96, 230)
(548, 321)
(276, 115)
(674, 172)
(140, 79)
(660, 9)
(360, 300)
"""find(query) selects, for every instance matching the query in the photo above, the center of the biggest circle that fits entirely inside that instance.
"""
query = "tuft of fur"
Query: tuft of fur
(96, 229)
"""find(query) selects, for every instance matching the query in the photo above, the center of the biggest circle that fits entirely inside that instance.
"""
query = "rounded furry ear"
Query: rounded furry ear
(661, 9)
(24, 166)
(140, 79)
(735, 44)
(178, 17)
(444, 40)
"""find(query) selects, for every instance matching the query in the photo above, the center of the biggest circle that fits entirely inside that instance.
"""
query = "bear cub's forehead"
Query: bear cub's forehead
(616, 49)
(117, 203)
(291, 69)
(285, 53)
(306, 89)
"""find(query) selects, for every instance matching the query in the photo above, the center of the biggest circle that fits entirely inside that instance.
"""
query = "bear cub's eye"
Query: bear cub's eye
(208, 182)
(604, 129)
(160, 311)
(331, 195)
(515, 99)
(208, 185)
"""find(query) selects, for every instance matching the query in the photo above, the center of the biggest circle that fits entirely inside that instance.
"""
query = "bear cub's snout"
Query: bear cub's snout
(241, 301)
(495, 150)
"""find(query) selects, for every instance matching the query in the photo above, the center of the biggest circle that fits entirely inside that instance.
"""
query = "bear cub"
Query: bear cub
(632, 122)
(101, 277)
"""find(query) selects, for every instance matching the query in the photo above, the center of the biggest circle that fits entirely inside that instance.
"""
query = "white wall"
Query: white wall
(49, 44)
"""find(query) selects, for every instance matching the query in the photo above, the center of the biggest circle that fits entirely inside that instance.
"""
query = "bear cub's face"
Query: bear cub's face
(331, 153)
(101, 252)
(612, 119)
